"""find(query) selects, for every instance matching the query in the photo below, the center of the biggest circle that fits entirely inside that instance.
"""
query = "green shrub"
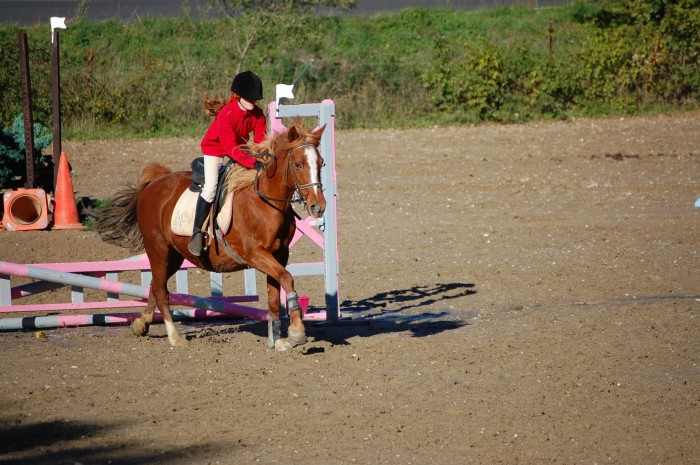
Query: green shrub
(13, 168)
(676, 74)
(641, 52)
(466, 78)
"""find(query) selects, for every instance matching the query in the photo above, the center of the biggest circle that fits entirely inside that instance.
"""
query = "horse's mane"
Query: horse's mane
(239, 177)
(280, 141)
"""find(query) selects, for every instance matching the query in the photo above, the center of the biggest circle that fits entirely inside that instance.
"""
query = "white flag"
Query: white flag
(57, 23)
(283, 91)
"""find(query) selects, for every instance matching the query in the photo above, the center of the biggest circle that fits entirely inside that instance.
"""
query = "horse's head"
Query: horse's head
(304, 163)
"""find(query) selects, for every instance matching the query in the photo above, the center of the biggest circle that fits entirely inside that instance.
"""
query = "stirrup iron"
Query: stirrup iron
(199, 243)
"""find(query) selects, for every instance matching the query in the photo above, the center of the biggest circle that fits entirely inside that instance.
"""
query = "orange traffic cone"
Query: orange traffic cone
(65, 212)
(25, 209)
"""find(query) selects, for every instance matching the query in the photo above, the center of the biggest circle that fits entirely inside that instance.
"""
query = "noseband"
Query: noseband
(297, 188)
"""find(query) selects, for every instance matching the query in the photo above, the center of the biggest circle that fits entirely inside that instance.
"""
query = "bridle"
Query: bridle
(297, 187)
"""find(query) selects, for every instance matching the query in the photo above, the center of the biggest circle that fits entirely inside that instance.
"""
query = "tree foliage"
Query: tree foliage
(233, 8)
(635, 52)
(276, 18)
(415, 67)
(642, 50)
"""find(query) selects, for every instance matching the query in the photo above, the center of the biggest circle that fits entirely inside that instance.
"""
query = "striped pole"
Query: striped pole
(72, 321)
(116, 287)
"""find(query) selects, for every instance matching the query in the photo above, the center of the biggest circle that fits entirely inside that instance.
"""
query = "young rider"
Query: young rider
(235, 119)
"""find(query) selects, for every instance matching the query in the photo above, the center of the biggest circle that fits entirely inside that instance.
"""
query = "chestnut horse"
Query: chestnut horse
(262, 227)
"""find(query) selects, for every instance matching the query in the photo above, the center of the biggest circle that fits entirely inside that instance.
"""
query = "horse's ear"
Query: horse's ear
(319, 132)
(292, 134)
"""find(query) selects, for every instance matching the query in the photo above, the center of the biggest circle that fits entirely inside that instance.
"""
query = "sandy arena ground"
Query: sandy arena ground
(527, 294)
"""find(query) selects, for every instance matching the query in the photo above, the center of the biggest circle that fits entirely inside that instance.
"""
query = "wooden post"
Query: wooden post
(27, 110)
(551, 30)
(653, 63)
(91, 63)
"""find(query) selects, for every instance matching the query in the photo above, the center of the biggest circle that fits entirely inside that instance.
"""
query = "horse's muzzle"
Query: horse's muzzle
(316, 205)
(316, 209)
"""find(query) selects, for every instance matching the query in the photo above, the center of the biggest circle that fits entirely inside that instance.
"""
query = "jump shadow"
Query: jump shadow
(395, 311)
(407, 299)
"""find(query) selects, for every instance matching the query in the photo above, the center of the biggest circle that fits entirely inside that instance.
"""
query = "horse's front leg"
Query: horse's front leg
(278, 277)
(296, 331)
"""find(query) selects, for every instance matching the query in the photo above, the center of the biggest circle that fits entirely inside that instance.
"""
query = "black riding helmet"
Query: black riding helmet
(248, 85)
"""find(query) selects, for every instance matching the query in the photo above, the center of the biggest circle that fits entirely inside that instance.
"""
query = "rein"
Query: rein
(297, 188)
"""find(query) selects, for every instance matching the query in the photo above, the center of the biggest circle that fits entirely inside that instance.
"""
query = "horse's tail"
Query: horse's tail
(116, 222)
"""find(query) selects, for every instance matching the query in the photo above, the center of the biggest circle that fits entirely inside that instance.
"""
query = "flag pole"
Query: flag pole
(56, 23)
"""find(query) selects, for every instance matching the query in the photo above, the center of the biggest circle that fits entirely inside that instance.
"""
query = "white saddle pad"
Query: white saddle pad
(182, 220)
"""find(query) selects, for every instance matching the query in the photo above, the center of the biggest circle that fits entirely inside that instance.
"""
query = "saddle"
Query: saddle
(219, 220)
(197, 167)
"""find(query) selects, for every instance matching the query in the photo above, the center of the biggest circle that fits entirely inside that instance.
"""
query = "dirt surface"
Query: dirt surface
(522, 294)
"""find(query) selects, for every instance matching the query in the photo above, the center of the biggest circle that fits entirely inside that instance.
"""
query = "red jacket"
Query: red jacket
(230, 129)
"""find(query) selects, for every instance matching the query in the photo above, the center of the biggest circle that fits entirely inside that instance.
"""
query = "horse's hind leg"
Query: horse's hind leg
(162, 299)
(141, 324)
(274, 325)
(159, 290)
(165, 262)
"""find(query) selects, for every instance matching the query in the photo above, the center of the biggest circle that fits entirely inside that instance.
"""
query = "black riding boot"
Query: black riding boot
(196, 244)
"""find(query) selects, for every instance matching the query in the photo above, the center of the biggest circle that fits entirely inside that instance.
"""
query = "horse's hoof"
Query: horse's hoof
(297, 338)
(178, 341)
(282, 345)
(139, 327)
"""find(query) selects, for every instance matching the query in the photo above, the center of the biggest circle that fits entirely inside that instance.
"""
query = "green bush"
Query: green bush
(676, 75)
(641, 52)
(466, 77)
(13, 168)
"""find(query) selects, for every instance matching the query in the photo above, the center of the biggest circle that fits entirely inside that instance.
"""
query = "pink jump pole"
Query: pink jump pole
(134, 290)
(71, 321)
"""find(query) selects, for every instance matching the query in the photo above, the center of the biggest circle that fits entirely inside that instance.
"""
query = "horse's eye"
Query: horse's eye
(298, 165)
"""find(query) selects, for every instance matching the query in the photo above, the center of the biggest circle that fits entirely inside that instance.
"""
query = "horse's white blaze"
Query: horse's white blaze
(312, 159)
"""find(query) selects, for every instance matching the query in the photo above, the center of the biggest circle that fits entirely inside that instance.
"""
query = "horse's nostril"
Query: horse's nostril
(316, 210)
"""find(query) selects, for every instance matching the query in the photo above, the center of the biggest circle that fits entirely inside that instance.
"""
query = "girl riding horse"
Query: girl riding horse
(235, 119)
(262, 227)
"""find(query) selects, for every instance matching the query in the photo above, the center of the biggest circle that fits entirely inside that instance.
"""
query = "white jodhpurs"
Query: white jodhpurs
(211, 176)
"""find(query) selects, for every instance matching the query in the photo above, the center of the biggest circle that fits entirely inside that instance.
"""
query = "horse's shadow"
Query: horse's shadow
(394, 311)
